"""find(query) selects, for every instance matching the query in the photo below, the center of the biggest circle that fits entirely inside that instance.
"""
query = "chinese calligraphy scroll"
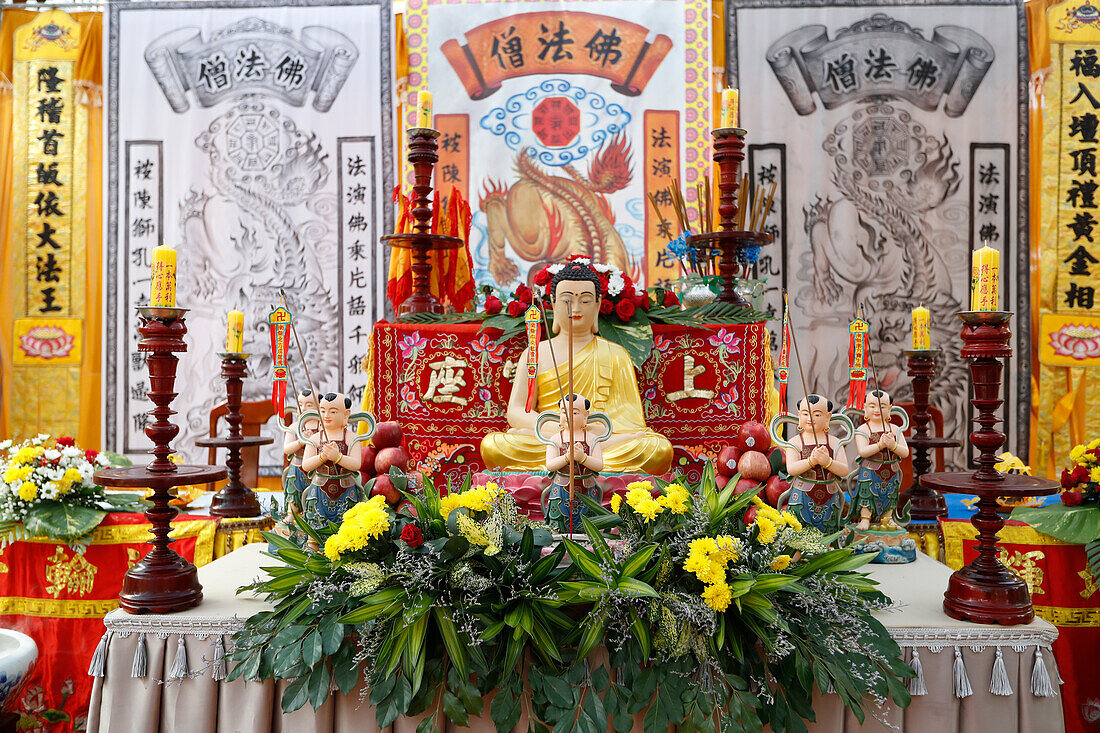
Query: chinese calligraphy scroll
(586, 114)
(895, 133)
(48, 234)
(257, 140)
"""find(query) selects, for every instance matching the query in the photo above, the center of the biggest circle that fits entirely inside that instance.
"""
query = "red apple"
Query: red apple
(366, 468)
(745, 484)
(387, 435)
(727, 460)
(390, 457)
(754, 465)
(750, 515)
(384, 487)
(774, 489)
(753, 436)
(720, 481)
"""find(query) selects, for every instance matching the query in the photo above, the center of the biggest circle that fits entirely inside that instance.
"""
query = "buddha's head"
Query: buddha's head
(576, 285)
(877, 406)
(307, 401)
(573, 409)
(335, 410)
(814, 413)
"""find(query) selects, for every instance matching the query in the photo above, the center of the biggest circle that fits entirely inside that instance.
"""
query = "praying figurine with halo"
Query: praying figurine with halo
(333, 458)
(574, 458)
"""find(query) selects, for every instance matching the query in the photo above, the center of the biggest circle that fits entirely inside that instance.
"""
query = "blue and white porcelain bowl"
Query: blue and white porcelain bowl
(18, 653)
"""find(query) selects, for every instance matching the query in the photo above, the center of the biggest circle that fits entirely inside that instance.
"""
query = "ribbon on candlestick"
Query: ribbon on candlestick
(857, 363)
(278, 323)
(531, 318)
(784, 357)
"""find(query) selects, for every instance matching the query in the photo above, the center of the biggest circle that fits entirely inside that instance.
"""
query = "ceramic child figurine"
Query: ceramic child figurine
(329, 456)
(295, 480)
(586, 454)
(816, 463)
(881, 449)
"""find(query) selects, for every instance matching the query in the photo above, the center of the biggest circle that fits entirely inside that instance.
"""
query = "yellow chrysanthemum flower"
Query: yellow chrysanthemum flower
(364, 522)
(792, 521)
(1094, 474)
(676, 499)
(638, 493)
(781, 562)
(649, 509)
(448, 504)
(728, 548)
(1077, 453)
(717, 596)
(645, 486)
(28, 491)
(71, 475)
(616, 502)
(1094, 444)
(698, 559)
(767, 530)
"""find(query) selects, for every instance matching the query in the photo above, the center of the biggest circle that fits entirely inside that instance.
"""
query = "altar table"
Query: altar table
(1063, 592)
(448, 386)
(203, 702)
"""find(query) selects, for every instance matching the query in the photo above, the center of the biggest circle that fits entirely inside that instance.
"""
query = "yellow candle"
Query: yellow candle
(162, 293)
(424, 109)
(234, 333)
(985, 270)
(922, 329)
(730, 112)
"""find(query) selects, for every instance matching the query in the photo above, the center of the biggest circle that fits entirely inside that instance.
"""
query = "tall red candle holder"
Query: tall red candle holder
(729, 152)
(235, 499)
(162, 581)
(423, 155)
(985, 591)
(925, 505)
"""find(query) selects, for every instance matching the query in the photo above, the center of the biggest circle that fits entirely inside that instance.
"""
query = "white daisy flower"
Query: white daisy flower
(615, 284)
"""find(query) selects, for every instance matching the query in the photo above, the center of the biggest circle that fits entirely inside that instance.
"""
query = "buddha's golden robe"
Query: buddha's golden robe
(602, 372)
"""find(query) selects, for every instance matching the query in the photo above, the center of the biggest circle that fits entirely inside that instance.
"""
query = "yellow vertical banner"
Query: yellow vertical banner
(662, 166)
(46, 246)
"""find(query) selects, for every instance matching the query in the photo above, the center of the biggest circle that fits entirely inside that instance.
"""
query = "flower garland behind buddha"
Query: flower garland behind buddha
(601, 370)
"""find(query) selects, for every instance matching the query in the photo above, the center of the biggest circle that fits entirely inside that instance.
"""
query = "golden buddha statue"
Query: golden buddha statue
(601, 370)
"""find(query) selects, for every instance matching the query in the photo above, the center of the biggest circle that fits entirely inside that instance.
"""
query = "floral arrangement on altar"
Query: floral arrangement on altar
(1076, 518)
(711, 607)
(46, 490)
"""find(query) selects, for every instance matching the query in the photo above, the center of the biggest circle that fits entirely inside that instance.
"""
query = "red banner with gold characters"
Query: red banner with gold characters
(278, 323)
(49, 174)
(448, 385)
(59, 597)
(1063, 592)
(857, 363)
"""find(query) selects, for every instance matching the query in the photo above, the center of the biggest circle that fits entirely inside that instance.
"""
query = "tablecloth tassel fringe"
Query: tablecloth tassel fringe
(141, 659)
(998, 683)
(99, 659)
(179, 666)
(219, 671)
(916, 685)
(962, 681)
(1040, 679)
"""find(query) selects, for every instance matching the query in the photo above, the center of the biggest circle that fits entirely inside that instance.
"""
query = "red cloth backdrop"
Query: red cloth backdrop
(1063, 593)
(59, 598)
(448, 386)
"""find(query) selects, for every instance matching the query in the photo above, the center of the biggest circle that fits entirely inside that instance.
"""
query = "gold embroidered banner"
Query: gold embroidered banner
(557, 42)
(48, 229)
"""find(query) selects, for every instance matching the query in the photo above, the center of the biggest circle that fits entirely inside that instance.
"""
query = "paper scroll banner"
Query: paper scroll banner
(881, 57)
(252, 56)
(557, 42)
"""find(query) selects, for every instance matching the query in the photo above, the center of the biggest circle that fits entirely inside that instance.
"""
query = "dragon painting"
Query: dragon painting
(547, 218)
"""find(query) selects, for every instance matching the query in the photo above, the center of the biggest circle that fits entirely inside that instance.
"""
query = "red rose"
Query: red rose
(523, 293)
(628, 292)
(1094, 452)
(641, 300)
(603, 284)
(515, 309)
(1067, 479)
(625, 310)
(66, 441)
(1071, 498)
(627, 282)
(543, 278)
(90, 455)
(412, 535)
(493, 305)
(671, 299)
(1079, 476)
(606, 306)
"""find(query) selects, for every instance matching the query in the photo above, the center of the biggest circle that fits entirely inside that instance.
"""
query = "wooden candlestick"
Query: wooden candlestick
(985, 591)
(729, 152)
(162, 581)
(925, 505)
(423, 155)
(235, 499)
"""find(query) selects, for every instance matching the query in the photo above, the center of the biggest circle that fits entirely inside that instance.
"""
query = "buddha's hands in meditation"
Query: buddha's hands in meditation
(330, 452)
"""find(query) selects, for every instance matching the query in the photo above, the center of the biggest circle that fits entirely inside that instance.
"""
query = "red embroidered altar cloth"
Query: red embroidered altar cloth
(59, 597)
(448, 386)
(1062, 591)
